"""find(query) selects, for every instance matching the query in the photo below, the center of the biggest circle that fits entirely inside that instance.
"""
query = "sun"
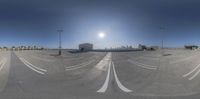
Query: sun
(101, 35)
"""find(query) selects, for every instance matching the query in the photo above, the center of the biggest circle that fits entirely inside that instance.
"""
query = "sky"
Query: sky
(124, 22)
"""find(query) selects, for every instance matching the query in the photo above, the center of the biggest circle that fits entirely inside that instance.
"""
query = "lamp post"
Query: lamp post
(162, 46)
(60, 30)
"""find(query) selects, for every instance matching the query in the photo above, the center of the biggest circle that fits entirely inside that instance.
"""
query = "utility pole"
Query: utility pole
(60, 30)
(162, 46)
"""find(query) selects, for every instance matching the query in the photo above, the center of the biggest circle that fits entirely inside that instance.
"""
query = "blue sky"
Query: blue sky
(125, 22)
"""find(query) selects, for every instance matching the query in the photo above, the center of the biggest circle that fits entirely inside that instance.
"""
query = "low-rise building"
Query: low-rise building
(142, 47)
(85, 47)
(154, 47)
(191, 47)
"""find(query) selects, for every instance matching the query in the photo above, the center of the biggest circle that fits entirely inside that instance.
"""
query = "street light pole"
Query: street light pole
(60, 41)
(162, 48)
(162, 30)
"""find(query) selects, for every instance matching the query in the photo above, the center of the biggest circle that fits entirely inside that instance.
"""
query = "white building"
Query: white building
(85, 47)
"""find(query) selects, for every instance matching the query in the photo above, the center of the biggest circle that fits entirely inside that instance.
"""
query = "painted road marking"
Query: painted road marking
(43, 59)
(101, 65)
(192, 71)
(79, 65)
(105, 85)
(73, 58)
(34, 68)
(194, 75)
(118, 82)
(183, 59)
(108, 58)
(2, 63)
(142, 65)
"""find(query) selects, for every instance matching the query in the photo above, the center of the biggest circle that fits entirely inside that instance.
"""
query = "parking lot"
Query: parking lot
(169, 73)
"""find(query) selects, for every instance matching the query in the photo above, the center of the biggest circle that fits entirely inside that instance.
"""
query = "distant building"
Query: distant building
(149, 48)
(13, 48)
(142, 47)
(5, 48)
(191, 47)
(154, 47)
(85, 47)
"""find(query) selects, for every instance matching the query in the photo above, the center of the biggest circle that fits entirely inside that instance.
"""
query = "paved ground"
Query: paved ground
(97, 75)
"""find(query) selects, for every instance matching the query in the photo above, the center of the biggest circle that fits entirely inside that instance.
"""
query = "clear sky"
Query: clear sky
(124, 22)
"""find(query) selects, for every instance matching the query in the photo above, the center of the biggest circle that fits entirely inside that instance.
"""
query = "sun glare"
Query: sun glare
(101, 35)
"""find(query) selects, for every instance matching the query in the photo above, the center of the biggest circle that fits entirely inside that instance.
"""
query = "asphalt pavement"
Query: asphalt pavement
(97, 75)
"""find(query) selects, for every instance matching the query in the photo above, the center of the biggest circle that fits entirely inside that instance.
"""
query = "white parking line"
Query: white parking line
(192, 71)
(183, 59)
(73, 58)
(79, 65)
(103, 62)
(118, 82)
(101, 65)
(2, 63)
(34, 68)
(43, 59)
(194, 75)
(142, 65)
(105, 85)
